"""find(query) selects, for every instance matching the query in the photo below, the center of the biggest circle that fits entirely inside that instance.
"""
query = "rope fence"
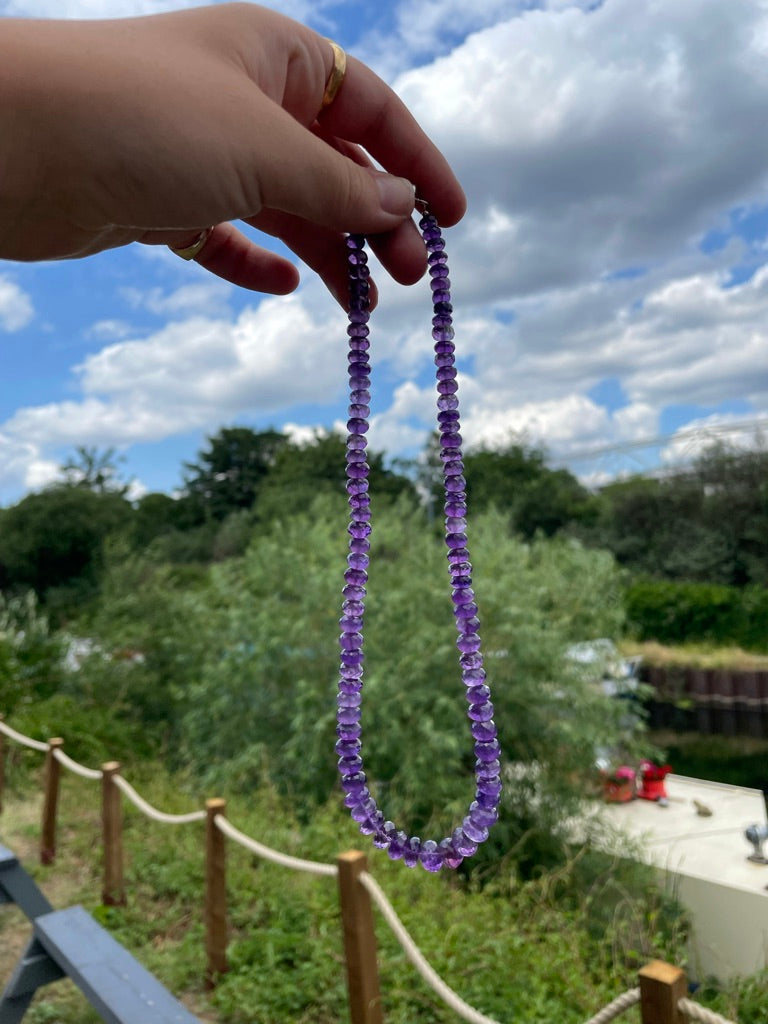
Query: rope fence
(660, 995)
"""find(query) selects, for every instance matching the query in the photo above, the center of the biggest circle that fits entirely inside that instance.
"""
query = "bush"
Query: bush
(679, 613)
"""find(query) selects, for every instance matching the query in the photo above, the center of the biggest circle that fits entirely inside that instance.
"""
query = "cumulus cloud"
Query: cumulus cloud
(16, 309)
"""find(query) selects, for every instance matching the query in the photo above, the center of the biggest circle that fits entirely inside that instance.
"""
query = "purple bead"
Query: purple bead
(352, 799)
(487, 769)
(351, 641)
(397, 845)
(356, 577)
(474, 676)
(484, 731)
(476, 833)
(354, 783)
(360, 545)
(467, 612)
(354, 592)
(356, 487)
(453, 467)
(480, 713)
(447, 387)
(356, 425)
(431, 856)
(352, 657)
(488, 791)
(358, 330)
(348, 700)
(451, 439)
(348, 716)
(447, 402)
(360, 395)
(487, 751)
(364, 810)
(411, 852)
(478, 695)
(456, 541)
(440, 296)
(357, 441)
(350, 764)
(359, 316)
(350, 686)
(483, 817)
(445, 347)
(471, 660)
(359, 530)
(462, 844)
(451, 858)
(455, 483)
(354, 608)
(438, 270)
(349, 732)
(346, 748)
(468, 642)
(381, 840)
(437, 258)
(357, 561)
(455, 509)
(359, 412)
(462, 595)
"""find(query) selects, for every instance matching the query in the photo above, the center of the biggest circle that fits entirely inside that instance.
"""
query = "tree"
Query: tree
(231, 470)
(94, 470)
(55, 538)
(301, 472)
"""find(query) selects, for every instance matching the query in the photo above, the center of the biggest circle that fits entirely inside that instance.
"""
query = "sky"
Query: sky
(610, 278)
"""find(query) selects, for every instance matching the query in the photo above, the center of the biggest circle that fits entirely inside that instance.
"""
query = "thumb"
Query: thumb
(306, 176)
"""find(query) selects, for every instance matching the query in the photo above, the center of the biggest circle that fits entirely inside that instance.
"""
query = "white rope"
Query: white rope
(25, 741)
(267, 853)
(152, 812)
(700, 1013)
(414, 954)
(617, 1007)
(73, 766)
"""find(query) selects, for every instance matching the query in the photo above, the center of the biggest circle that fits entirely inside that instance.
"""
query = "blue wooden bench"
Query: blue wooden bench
(69, 943)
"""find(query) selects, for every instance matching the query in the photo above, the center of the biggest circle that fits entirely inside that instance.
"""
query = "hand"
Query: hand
(151, 129)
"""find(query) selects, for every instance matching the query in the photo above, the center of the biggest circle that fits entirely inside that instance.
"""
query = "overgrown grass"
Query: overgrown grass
(557, 948)
(695, 656)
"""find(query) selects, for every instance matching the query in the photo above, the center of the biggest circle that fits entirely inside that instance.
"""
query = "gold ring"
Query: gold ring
(188, 252)
(336, 76)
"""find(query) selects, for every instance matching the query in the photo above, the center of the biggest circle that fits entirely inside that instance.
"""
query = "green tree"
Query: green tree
(53, 540)
(94, 469)
(230, 471)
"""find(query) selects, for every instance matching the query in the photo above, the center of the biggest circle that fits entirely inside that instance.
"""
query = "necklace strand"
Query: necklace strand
(483, 812)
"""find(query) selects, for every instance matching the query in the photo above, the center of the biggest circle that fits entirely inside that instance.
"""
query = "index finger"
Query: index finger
(367, 112)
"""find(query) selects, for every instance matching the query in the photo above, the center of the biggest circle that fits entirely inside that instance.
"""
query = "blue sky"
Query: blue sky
(610, 278)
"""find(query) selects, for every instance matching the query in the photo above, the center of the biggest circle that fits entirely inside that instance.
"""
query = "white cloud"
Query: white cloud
(16, 309)
(208, 297)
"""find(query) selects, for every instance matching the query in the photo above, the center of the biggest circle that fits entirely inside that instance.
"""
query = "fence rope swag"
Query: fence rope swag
(608, 1013)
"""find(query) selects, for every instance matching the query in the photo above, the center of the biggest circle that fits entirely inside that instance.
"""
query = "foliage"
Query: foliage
(558, 948)
(683, 612)
(30, 654)
(53, 541)
(262, 698)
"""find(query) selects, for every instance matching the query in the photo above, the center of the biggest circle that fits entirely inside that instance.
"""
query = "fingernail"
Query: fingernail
(396, 195)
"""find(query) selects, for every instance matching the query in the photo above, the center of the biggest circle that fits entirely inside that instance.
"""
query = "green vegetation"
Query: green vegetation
(200, 634)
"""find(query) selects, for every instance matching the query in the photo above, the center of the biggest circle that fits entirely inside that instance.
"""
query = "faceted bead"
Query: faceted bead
(459, 569)
(476, 833)
(355, 487)
(487, 751)
(358, 330)
(487, 769)
(353, 608)
(455, 508)
(447, 402)
(356, 455)
(354, 783)
(431, 856)
(381, 840)
(483, 817)
(451, 438)
(352, 799)
(352, 657)
(471, 660)
(349, 732)
(447, 387)
(364, 810)
(397, 845)
(445, 347)
(435, 258)
(468, 642)
(350, 686)
(462, 844)
(350, 764)
(347, 748)
(455, 483)
(443, 307)
(411, 851)
(362, 411)
(484, 731)
(478, 695)
(351, 624)
(453, 467)
(462, 595)
(487, 800)
(357, 441)
(441, 296)
(448, 416)
(359, 316)
(360, 545)
(348, 716)
(489, 788)
(356, 425)
(467, 613)
(351, 641)
(451, 858)
(474, 676)
(438, 270)
(356, 577)
(359, 367)
(349, 700)
(456, 541)
(361, 395)
(357, 561)
(480, 712)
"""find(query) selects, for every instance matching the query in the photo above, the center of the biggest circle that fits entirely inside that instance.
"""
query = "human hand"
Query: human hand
(151, 129)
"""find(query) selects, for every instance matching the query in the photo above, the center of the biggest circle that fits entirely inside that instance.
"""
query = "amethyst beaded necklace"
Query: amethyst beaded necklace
(483, 812)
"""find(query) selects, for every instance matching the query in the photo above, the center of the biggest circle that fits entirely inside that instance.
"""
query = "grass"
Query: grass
(557, 948)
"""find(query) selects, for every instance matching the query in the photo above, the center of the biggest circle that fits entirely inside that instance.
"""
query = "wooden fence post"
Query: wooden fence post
(2, 765)
(359, 940)
(215, 893)
(662, 986)
(51, 782)
(113, 887)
